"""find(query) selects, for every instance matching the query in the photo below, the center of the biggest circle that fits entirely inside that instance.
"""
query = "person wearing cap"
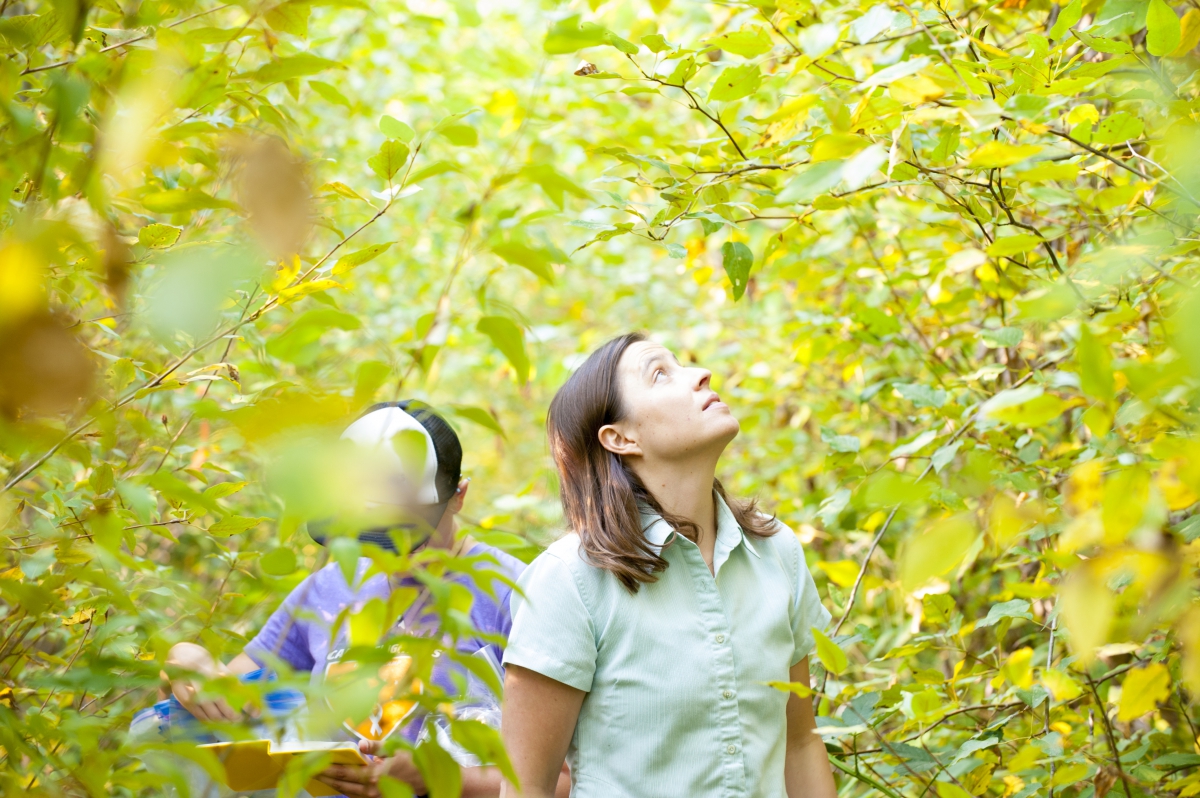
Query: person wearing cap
(300, 632)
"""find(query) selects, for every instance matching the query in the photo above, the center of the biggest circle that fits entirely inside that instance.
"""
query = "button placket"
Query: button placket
(713, 616)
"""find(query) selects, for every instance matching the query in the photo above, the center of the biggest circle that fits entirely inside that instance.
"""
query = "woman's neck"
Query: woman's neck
(683, 489)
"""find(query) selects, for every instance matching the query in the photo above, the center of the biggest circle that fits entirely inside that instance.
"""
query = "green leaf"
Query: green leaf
(1002, 338)
(553, 182)
(279, 562)
(158, 236)
(1118, 128)
(234, 525)
(844, 444)
(569, 35)
(1068, 16)
(510, 340)
(393, 128)
(479, 416)
(484, 742)
(297, 66)
(443, 777)
(178, 200)
(1095, 366)
(656, 43)
(748, 42)
(837, 146)
(359, 257)
(101, 478)
(390, 159)
(538, 260)
(223, 489)
(1163, 29)
(460, 134)
(830, 654)
(734, 83)
(289, 17)
(737, 259)
(329, 93)
(936, 550)
(1013, 245)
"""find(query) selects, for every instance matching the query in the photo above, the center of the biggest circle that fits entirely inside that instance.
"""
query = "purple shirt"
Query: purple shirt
(299, 632)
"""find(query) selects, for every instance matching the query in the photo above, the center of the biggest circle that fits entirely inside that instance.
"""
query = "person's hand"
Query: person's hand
(194, 658)
(363, 780)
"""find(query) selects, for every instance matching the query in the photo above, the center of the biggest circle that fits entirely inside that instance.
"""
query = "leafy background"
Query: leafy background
(940, 258)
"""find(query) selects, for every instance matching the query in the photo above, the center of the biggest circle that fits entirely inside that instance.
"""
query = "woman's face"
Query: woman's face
(670, 410)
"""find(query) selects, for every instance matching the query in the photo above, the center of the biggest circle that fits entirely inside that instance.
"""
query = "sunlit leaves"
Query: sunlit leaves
(510, 340)
(158, 236)
(297, 66)
(737, 259)
(936, 550)
(1163, 30)
(1141, 691)
(389, 160)
(734, 83)
(357, 258)
(830, 654)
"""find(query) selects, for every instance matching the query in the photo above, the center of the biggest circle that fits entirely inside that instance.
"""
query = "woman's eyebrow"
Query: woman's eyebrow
(650, 360)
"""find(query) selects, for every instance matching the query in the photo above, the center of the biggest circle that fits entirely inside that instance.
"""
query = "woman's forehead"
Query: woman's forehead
(642, 353)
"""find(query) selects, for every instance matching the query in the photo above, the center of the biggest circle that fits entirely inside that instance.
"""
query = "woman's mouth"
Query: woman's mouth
(713, 401)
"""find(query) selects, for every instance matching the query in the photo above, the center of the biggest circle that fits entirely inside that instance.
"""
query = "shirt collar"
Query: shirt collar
(729, 534)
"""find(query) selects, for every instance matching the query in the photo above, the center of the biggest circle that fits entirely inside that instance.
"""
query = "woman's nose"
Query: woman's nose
(705, 376)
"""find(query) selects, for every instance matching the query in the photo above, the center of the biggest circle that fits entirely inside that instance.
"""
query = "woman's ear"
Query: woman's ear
(616, 442)
(460, 495)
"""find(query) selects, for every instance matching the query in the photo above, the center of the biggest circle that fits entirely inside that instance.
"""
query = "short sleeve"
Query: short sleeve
(807, 609)
(285, 635)
(552, 630)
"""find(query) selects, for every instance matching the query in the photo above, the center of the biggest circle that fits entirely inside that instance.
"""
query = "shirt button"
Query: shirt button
(728, 694)
(720, 638)
(731, 749)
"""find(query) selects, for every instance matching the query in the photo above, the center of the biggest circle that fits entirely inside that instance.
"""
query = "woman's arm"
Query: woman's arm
(194, 658)
(537, 724)
(807, 773)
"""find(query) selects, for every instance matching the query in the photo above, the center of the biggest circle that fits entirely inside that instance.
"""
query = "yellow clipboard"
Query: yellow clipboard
(253, 765)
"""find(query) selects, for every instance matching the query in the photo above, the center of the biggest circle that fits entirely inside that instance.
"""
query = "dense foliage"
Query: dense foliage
(939, 257)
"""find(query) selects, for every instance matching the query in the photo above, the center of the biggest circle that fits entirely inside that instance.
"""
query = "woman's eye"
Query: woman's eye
(658, 374)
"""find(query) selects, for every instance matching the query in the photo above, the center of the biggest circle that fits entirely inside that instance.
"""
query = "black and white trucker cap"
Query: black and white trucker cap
(375, 429)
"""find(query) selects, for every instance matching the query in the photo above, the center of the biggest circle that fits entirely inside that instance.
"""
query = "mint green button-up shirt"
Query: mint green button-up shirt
(675, 674)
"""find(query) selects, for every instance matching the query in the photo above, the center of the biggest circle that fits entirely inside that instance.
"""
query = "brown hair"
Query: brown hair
(600, 493)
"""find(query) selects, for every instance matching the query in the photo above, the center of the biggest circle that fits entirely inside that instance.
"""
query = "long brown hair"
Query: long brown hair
(600, 493)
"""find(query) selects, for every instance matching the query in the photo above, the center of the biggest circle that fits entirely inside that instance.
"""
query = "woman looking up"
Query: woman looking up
(642, 647)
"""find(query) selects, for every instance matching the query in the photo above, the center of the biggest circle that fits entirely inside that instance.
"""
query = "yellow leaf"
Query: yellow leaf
(914, 90)
(1125, 497)
(842, 573)
(1061, 686)
(1070, 774)
(304, 289)
(21, 289)
(1191, 34)
(1083, 113)
(1084, 489)
(831, 656)
(1012, 785)
(1141, 691)
(988, 48)
(14, 574)
(936, 550)
(996, 154)
(1018, 669)
(80, 616)
(837, 145)
(1086, 607)
(799, 688)
(1175, 490)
